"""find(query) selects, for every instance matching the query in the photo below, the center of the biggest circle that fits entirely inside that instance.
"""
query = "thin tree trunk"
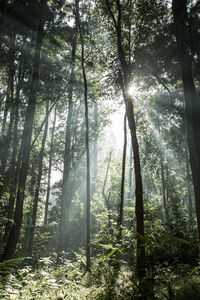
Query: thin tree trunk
(5, 138)
(5, 114)
(189, 187)
(95, 146)
(88, 264)
(31, 192)
(192, 101)
(44, 120)
(139, 210)
(130, 180)
(12, 172)
(107, 197)
(166, 212)
(3, 7)
(65, 197)
(51, 152)
(26, 143)
(122, 181)
(38, 183)
(9, 104)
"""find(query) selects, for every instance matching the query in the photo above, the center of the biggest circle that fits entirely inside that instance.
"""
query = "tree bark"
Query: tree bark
(31, 192)
(88, 264)
(38, 183)
(125, 83)
(26, 143)
(130, 177)
(107, 197)
(122, 181)
(166, 212)
(192, 101)
(65, 197)
(9, 104)
(51, 152)
(189, 186)
(95, 145)
(12, 172)
(3, 7)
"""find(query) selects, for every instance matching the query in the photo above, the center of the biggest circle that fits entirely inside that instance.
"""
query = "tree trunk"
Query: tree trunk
(122, 181)
(12, 171)
(65, 197)
(51, 152)
(139, 210)
(166, 212)
(44, 120)
(107, 197)
(125, 76)
(26, 144)
(130, 177)
(9, 104)
(86, 140)
(95, 145)
(3, 7)
(31, 192)
(38, 183)
(189, 186)
(192, 101)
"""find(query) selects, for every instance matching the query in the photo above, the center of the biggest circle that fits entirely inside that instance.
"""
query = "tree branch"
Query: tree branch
(111, 14)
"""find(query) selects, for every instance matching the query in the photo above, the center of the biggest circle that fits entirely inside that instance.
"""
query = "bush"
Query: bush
(190, 290)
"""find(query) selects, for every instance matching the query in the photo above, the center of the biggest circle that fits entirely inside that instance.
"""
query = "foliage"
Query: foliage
(171, 240)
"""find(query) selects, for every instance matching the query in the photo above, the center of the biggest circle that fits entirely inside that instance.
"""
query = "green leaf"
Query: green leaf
(111, 253)
(172, 239)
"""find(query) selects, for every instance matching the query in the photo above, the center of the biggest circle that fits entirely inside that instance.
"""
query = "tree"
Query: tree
(125, 84)
(26, 142)
(65, 197)
(49, 170)
(86, 138)
(38, 183)
(122, 181)
(192, 101)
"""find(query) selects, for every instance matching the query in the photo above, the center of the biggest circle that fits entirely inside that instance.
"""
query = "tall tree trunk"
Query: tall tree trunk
(3, 7)
(166, 211)
(44, 120)
(192, 101)
(88, 264)
(65, 197)
(31, 192)
(95, 145)
(9, 104)
(51, 152)
(26, 143)
(189, 186)
(38, 183)
(139, 210)
(107, 197)
(122, 181)
(130, 177)
(5, 115)
(12, 171)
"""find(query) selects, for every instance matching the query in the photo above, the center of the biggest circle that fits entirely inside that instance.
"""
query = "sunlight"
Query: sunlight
(160, 142)
(133, 89)
(113, 134)
(56, 176)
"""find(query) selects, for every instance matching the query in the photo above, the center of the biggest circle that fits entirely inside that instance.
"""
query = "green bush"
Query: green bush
(190, 290)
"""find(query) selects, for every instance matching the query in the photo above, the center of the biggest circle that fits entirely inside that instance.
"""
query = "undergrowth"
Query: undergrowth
(69, 280)
(66, 281)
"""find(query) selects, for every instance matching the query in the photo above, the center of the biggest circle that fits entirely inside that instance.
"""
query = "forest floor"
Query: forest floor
(70, 281)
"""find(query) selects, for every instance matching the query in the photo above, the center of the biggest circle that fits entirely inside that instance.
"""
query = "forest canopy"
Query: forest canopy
(99, 149)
